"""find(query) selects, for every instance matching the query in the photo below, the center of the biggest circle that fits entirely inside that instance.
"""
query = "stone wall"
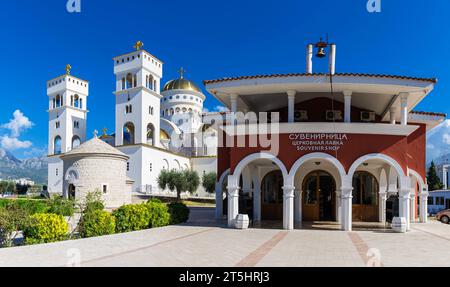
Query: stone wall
(95, 171)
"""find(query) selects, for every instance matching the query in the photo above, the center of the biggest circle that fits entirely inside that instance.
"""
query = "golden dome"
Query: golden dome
(181, 84)
(163, 135)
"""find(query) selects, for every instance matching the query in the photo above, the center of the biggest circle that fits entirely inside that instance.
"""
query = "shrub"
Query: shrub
(92, 202)
(97, 223)
(154, 199)
(12, 218)
(179, 212)
(45, 228)
(132, 217)
(159, 214)
(61, 206)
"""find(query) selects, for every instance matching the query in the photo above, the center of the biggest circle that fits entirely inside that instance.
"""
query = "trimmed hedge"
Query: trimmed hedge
(179, 212)
(45, 228)
(132, 217)
(159, 214)
(97, 223)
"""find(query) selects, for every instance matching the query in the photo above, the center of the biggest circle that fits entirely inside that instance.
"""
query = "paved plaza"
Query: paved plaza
(202, 242)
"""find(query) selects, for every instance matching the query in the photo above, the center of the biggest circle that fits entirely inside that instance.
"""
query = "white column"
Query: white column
(424, 206)
(233, 99)
(338, 206)
(445, 176)
(404, 203)
(392, 115)
(288, 207)
(382, 198)
(291, 105)
(346, 211)
(347, 106)
(412, 206)
(298, 206)
(233, 205)
(219, 202)
(404, 108)
(309, 57)
(257, 203)
(332, 59)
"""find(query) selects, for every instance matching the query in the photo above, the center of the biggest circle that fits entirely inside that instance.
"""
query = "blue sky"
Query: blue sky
(211, 39)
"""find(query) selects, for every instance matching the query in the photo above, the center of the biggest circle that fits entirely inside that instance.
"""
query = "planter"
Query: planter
(399, 224)
(242, 221)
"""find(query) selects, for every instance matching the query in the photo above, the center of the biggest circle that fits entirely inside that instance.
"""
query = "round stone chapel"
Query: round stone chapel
(97, 166)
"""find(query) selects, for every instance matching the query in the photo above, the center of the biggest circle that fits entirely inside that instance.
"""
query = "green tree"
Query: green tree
(209, 182)
(3, 187)
(179, 181)
(434, 183)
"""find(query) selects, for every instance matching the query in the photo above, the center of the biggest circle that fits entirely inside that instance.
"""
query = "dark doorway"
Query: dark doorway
(326, 198)
(71, 191)
(392, 208)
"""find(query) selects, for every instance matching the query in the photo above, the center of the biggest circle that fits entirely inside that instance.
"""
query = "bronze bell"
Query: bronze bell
(321, 52)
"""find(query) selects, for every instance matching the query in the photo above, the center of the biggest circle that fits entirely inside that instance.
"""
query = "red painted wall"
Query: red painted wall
(356, 146)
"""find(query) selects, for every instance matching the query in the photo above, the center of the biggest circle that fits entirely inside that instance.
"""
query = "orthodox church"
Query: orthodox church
(155, 128)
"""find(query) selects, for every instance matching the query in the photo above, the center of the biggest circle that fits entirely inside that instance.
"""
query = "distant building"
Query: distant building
(438, 200)
(24, 181)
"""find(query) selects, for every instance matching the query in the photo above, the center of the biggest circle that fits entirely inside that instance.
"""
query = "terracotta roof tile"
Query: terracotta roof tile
(429, 113)
(229, 79)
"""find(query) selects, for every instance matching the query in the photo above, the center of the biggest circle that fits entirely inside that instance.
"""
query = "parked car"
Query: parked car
(443, 216)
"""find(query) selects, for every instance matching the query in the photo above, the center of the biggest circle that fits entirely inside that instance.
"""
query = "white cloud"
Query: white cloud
(430, 146)
(18, 124)
(12, 143)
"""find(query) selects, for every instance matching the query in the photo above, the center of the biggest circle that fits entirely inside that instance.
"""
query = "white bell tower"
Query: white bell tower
(138, 99)
(67, 112)
(67, 122)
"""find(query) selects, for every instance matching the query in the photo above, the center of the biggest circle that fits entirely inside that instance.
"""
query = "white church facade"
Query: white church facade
(156, 127)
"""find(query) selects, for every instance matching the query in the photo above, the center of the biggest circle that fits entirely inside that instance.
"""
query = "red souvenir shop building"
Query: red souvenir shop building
(346, 148)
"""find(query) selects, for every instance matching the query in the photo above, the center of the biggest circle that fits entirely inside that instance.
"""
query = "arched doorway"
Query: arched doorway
(319, 197)
(272, 196)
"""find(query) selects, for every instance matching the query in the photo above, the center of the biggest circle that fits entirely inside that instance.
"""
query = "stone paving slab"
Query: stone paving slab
(192, 245)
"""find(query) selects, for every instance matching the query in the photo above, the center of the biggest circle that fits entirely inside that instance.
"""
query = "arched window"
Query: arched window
(58, 100)
(171, 112)
(134, 81)
(184, 110)
(129, 81)
(57, 145)
(76, 142)
(150, 83)
(128, 134)
(71, 100)
(150, 134)
(177, 110)
(76, 101)
(365, 189)
(154, 85)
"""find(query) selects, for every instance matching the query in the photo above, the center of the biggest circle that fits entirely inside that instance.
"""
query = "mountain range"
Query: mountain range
(13, 168)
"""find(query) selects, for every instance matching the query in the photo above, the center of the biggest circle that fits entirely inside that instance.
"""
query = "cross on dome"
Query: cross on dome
(182, 71)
